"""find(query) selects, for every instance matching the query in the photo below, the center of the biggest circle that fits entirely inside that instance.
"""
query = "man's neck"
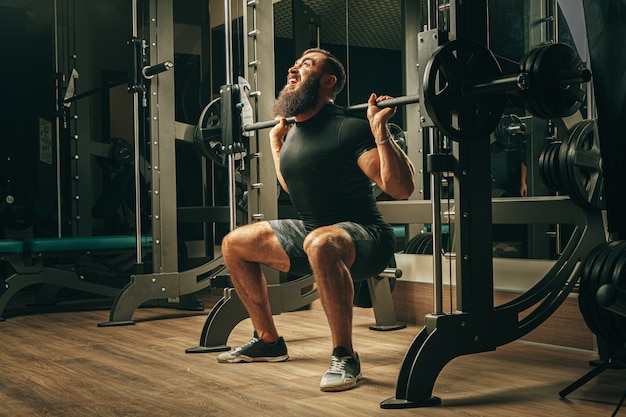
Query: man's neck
(313, 111)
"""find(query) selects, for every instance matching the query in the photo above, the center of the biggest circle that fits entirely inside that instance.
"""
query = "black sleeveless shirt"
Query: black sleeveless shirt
(319, 164)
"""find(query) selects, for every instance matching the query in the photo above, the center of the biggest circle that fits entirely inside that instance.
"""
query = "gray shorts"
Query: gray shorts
(375, 245)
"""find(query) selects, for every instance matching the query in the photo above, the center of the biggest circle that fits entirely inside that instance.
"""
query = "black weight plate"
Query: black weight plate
(549, 168)
(417, 243)
(546, 158)
(426, 245)
(573, 183)
(555, 174)
(207, 134)
(538, 98)
(563, 154)
(618, 279)
(448, 70)
(613, 322)
(556, 100)
(543, 166)
(584, 165)
(598, 314)
(527, 65)
(410, 246)
(539, 65)
(585, 283)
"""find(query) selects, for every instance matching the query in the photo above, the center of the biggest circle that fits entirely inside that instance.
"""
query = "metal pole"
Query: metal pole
(229, 80)
(137, 147)
(435, 198)
(347, 51)
(58, 118)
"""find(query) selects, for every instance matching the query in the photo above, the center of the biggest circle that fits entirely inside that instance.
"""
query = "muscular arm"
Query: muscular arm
(387, 165)
(277, 138)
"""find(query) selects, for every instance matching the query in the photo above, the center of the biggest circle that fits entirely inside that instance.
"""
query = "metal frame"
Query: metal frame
(165, 281)
(478, 326)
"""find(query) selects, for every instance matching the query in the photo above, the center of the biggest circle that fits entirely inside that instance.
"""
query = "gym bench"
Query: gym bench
(290, 296)
(93, 264)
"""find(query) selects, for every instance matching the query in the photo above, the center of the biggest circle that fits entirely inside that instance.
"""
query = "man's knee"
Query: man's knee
(229, 244)
(328, 244)
(237, 240)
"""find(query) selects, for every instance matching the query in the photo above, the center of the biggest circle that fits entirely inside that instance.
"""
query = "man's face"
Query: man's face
(301, 92)
(307, 66)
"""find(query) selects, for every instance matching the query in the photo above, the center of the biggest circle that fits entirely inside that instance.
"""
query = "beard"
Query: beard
(291, 103)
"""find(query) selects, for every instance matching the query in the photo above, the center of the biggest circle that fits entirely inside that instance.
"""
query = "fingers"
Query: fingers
(377, 99)
(280, 129)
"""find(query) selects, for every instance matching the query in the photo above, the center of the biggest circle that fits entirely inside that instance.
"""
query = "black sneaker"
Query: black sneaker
(344, 371)
(256, 350)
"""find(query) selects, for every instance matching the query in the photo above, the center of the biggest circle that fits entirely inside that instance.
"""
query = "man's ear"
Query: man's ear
(328, 80)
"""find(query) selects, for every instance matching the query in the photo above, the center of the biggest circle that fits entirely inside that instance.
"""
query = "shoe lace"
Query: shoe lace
(245, 345)
(337, 364)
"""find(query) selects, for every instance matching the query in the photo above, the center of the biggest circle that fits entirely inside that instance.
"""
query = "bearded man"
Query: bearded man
(326, 162)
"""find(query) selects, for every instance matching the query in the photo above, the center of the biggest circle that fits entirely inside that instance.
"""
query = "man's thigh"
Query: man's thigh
(291, 234)
(257, 243)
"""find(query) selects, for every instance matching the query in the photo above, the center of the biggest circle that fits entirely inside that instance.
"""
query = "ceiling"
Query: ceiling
(15, 3)
(370, 23)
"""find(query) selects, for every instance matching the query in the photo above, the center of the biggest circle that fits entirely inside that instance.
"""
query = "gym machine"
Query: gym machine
(478, 326)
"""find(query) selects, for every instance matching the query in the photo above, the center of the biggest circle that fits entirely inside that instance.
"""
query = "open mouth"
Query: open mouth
(292, 80)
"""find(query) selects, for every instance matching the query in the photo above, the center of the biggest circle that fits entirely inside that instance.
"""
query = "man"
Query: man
(326, 162)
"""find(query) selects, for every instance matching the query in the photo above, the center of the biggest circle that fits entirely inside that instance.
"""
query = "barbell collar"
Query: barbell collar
(391, 273)
(150, 71)
(582, 76)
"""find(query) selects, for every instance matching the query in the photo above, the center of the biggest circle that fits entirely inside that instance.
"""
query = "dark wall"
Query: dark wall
(370, 70)
(28, 95)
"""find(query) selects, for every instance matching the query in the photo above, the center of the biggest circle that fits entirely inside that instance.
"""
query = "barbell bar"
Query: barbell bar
(470, 91)
(392, 102)
(463, 90)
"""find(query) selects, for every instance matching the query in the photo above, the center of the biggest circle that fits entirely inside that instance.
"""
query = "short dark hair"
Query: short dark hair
(332, 66)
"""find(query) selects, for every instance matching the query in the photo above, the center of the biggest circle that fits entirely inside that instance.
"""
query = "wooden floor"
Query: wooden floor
(59, 363)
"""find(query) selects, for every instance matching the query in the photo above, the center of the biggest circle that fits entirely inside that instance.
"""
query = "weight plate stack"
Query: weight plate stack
(503, 132)
(604, 264)
(549, 167)
(421, 244)
(530, 100)
(580, 166)
(551, 94)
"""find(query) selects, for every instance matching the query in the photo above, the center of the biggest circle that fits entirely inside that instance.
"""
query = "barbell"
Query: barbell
(464, 93)
(392, 102)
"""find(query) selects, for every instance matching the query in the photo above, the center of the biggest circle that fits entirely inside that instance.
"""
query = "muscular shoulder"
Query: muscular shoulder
(355, 135)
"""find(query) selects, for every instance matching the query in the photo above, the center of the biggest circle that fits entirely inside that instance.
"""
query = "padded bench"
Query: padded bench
(26, 259)
(72, 256)
(8, 246)
(82, 244)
